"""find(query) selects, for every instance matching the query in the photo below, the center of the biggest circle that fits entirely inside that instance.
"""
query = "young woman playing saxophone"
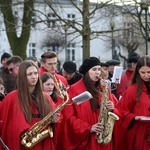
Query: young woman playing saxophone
(82, 121)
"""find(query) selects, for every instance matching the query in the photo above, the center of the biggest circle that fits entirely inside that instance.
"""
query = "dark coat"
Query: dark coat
(9, 80)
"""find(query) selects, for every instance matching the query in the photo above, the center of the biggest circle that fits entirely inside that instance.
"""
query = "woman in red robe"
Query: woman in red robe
(135, 108)
(24, 107)
(81, 121)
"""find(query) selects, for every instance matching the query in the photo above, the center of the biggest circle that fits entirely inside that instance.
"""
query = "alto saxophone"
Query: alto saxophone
(38, 131)
(106, 118)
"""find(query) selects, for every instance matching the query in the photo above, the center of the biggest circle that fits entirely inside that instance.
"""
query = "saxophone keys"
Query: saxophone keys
(28, 145)
(50, 130)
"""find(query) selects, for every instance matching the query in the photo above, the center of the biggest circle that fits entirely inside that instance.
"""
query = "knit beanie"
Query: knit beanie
(88, 63)
(5, 55)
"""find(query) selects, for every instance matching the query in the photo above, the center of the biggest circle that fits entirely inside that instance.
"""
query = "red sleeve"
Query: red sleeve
(10, 114)
(14, 124)
(124, 105)
(78, 132)
(113, 98)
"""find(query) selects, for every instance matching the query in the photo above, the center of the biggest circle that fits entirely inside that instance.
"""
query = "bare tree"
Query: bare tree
(18, 42)
(131, 36)
(54, 41)
(139, 12)
(82, 25)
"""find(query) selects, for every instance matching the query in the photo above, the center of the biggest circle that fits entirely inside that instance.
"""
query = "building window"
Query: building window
(129, 29)
(33, 21)
(16, 17)
(53, 47)
(16, 13)
(73, 54)
(70, 55)
(32, 49)
(51, 23)
(71, 18)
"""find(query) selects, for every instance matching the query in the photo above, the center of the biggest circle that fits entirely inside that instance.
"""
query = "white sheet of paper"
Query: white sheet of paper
(144, 118)
(117, 74)
(85, 96)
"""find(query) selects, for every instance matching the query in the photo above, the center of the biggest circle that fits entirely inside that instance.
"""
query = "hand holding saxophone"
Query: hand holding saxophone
(97, 128)
(110, 105)
(56, 118)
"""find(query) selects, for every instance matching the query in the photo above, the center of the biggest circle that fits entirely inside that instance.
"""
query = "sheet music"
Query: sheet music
(117, 74)
(82, 97)
(144, 118)
(3, 144)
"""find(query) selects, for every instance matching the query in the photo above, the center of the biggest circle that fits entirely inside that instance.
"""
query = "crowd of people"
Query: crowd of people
(37, 110)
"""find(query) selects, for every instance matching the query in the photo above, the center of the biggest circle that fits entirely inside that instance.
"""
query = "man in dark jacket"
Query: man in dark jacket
(69, 71)
(9, 80)
(112, 63)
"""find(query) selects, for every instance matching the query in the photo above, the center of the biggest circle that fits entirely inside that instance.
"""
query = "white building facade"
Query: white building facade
(71, 46)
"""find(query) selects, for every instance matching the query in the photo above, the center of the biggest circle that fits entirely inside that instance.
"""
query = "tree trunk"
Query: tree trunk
(86, 30)
(18, 44)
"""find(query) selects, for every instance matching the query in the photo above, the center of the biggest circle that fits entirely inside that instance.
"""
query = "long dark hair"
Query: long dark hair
(94, 89)
(24, 95)
(143, 61)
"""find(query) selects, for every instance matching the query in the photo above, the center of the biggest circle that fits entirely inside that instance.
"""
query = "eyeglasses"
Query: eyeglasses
(11, 69)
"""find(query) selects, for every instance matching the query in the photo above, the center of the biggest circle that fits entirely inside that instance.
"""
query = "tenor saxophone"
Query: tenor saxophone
(106, 118)
(39, 130)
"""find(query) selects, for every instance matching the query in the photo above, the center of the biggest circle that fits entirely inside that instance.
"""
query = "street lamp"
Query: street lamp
(66, 27)
(112, 26)
(144, 6)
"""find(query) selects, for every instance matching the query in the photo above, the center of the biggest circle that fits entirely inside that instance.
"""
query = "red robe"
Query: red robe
(13, 124)
(62, 79)
(124, 83)
(78, 122)
(133, 134)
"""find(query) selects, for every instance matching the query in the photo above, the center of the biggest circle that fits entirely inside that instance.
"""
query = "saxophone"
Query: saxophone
(38, 131)
(60, 87)
(106, 118)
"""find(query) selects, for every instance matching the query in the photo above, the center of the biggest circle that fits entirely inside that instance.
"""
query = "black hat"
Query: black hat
(88, 63)
(133, 57)
(5, 55)
(113, 62)
(104, 64)
(69, 66)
